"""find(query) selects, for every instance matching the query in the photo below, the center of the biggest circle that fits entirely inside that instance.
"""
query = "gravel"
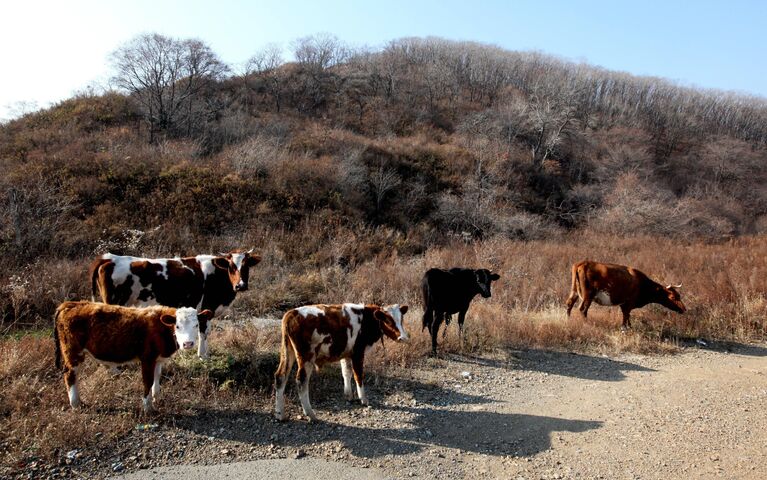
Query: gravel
(521, 414)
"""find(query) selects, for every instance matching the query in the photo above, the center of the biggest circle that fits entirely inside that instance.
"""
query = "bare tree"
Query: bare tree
(382, 181)
(320, 51)
(166, 76)
(265, 60)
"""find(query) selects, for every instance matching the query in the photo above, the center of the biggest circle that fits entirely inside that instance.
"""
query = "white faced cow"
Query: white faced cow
(205, 282)
(116, 335)
(314, 335)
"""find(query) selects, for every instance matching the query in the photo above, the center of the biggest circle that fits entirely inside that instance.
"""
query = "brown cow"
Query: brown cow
(205, 282)
(314, 335)
(609, 284)
(116, 335)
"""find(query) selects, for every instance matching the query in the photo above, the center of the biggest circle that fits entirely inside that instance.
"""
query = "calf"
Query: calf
(609, 284)
(116, 335)
(314, 335)
(446, 292)
(205, 282)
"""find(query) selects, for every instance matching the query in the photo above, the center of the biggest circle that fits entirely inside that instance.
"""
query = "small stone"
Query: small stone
(225, 451)
(118, 467)
(299, 454)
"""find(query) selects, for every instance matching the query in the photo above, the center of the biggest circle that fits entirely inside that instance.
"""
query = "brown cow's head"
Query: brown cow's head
(671, 299)
(237, 264)
(484, 279)
(390, 321)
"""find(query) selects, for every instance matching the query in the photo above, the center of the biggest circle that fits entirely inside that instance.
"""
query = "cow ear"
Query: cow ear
(253, 260)
(205, 315)
(494, 277)
(403, 309)
(168, 320)
(379, 315)
(221, 262)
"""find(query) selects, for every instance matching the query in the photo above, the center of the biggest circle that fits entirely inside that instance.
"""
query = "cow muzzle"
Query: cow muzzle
(188, 345)
(403, 338)
(240, 287)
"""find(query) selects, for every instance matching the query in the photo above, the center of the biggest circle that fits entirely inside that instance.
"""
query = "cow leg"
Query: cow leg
(585, 304)
(305, 370)
(435, 330)
(571, 300)
(156, 383)
(202, 343)
(281, 380)
(461, 318)
(70, 380)
(147, 375)
(346, 371)
(447, 322)
(359, 378)
(626, 320)
(428, 318)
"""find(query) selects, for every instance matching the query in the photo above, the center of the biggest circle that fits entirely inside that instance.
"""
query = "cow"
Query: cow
(314, 335)
(205, 282)
(116, 335)
(446, 292)
(618, 285)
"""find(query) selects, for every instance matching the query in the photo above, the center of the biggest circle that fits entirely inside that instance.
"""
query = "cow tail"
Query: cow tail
(576, 284)
(94, 271)
(56, 342)
(425, 291)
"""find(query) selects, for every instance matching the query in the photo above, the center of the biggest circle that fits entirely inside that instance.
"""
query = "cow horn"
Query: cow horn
(250, 251)
(674, 286)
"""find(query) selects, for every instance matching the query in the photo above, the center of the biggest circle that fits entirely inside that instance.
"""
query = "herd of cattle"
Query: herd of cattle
(152, 307)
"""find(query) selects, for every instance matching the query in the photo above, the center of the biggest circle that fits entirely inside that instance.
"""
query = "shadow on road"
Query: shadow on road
(587, 367)
(392, 429)
(723, 347)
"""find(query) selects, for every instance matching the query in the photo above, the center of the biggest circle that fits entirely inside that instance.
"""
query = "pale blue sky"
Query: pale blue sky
(51, 49)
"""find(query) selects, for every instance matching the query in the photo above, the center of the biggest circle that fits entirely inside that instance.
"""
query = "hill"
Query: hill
(342, 156)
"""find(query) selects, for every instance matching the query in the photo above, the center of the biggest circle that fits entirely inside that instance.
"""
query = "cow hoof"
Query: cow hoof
(312, 418)
(279, 417)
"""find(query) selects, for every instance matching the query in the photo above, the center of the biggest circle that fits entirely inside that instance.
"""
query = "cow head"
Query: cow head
(390, 321)
(671, 299)
(187, 323)
(237, 265)
(484, 279)
(397, 313)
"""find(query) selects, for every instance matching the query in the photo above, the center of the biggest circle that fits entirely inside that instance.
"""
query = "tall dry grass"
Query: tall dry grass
(724, 289)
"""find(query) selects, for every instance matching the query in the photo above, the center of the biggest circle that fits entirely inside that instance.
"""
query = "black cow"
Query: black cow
(446, 292)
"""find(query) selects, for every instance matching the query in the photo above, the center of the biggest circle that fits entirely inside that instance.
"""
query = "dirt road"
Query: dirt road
(531, 414)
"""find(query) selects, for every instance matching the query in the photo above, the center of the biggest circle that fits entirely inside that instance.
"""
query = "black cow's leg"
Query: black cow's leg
(428, 318)
(461, 318)
(435, 330)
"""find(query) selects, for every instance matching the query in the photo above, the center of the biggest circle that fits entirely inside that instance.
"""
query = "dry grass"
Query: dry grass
(724, 287)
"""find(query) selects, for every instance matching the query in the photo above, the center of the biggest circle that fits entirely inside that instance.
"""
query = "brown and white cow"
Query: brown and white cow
(617, 285)
(205, 282)
(116, 335)
(314, 335)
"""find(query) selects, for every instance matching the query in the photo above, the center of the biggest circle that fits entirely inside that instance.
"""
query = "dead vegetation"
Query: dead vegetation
(352, 177)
